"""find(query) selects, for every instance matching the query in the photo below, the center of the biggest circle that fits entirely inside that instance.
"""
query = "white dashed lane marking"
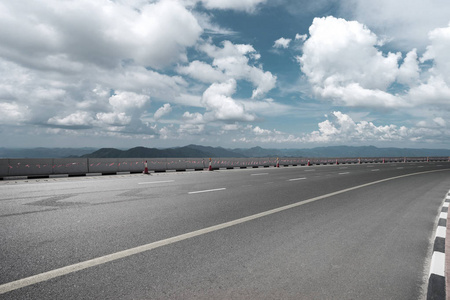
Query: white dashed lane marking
(207, 191)
(156, 182)
(295, 179)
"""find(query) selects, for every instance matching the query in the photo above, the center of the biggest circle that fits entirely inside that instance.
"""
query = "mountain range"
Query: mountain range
(205, 151)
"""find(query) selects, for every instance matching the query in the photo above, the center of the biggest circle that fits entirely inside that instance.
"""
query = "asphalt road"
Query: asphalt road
(319, 232)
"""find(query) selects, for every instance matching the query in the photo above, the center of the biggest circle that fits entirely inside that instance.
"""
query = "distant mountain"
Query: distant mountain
(205, 152)
(142, 152)
(44, 152)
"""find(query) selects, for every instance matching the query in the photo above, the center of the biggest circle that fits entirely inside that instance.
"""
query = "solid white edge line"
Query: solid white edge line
(207, 191)
(154, 182)
(14, 285)
(438, 263)
(258, 174)
(344, 173)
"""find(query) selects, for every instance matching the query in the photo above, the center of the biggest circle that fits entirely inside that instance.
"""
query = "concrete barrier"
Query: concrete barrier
(72, 166)
(197, 163)
(103, 165)
(83, 166)
(30, 167)
(4, 167)
(132, 165)
(267, 161)
(157, 164)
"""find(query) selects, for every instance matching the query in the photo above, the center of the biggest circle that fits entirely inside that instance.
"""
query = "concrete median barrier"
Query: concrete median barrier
(71, 166)
(132, 165)
(103, 165)
(82, 166)
(4, 167)
(157, 164)
(30, 167)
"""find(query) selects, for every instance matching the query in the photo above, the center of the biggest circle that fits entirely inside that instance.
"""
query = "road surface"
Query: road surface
(318, 232)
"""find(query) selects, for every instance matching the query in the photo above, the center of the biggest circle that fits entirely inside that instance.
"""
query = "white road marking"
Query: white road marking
(155, 182)
(259, 174)
(295, 179)
(344, 173)
(438, 263)
(441, 231)
(420, 166)
(207, 191)
(14, 285)
(375, 170)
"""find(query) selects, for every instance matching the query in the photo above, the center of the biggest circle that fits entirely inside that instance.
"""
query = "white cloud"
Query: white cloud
(405, 22)
(162, 111)
(342, 63)
(128, 101)
(77, 119)
(301, 37)
(203, 72)
(436, 88)
(282, 43)
(114, 118)
(341, 128)
(440, 121)
(234, 61)
(243, 5)
(96, 32)
(12, 113)
(191, 129)
(220, 106)
(195, 118)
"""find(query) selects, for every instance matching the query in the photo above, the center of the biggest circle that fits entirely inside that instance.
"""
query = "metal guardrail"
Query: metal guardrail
(83, 166)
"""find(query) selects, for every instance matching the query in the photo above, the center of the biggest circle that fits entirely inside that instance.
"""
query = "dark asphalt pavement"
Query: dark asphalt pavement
(372, 242)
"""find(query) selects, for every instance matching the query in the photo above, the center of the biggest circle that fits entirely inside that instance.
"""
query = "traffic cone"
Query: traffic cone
(145, 168)
(309, 162)
(278, 162)
(337, 163)
(210, 166)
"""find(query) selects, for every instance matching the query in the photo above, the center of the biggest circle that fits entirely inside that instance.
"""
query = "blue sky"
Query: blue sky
(235, 73)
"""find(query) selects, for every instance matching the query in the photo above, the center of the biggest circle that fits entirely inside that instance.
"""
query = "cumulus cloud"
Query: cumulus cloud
(109, 33)
(193, 118)
(203, 72)
(243, 5)
(79, 119)
(301, 37)
(13, 113)
(220, 106)
(128, 101)
(341, 128)
(234, 61)
(406, 28)
(342, 62)
(282, 43)
(162, 111)
(435, 89)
